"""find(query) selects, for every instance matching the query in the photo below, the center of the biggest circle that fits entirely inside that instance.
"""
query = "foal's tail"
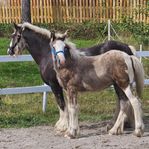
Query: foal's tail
(133, 49)
(138, 74)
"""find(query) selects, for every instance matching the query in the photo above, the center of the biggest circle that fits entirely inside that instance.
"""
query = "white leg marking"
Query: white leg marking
(62, 123)
(139, 126)
(73, 129)
(119, 124)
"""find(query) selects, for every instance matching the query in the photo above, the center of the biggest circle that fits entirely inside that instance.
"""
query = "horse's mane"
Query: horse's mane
(39, 30)
(72, 49)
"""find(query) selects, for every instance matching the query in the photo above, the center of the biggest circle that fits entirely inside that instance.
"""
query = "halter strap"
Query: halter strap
(61, 51)
(55, 53)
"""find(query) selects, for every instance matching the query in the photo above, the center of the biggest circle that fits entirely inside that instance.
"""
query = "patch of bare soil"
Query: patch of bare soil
(93, 136)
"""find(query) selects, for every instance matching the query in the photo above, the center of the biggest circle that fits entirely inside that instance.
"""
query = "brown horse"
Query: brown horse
(77, 72)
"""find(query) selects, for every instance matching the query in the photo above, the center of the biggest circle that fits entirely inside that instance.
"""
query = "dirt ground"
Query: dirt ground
(93, 136)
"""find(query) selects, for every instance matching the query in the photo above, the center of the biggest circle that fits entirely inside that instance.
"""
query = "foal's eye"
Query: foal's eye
(18, 36)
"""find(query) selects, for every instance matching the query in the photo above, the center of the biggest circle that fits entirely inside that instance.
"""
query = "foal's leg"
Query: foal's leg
(123, 115)
(62, 124)
(119, 124)
(135, 102)
(129, 112)
(125, 111)
(73, 128)
(129, 122)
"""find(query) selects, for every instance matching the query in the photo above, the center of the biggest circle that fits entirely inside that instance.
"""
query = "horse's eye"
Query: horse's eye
(12, 35)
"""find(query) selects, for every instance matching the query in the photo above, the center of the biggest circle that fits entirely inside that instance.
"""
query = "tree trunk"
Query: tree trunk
(26, 11)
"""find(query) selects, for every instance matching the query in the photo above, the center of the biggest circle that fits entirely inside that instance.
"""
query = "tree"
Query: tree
(26, 11)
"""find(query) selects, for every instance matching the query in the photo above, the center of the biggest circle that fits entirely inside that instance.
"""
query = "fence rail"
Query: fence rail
(22, 90)
(49, 11)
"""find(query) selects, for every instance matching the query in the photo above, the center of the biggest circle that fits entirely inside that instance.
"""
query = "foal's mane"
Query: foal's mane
(72, 49)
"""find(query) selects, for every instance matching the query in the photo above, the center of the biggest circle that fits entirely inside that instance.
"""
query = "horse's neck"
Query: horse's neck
(39, 56)
(39, 51)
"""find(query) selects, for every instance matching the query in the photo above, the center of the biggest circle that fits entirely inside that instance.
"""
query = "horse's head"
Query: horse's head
(58, 46)
(17, 43)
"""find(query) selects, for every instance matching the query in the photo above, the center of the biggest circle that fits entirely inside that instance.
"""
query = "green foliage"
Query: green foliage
(138, 31)
(92, 30)
(5, 30)
(85, 30)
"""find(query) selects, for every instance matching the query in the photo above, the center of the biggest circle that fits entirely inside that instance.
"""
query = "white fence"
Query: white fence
(41, 88)
(22, 90)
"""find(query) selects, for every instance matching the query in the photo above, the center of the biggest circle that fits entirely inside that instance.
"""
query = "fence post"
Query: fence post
(109, 27)
(140, 51)
(44, 101)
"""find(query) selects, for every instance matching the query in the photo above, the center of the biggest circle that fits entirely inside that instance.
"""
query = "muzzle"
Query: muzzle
(10, 51)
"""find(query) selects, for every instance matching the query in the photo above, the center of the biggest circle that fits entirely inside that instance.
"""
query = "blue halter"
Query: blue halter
(56, 59)
(55, 53)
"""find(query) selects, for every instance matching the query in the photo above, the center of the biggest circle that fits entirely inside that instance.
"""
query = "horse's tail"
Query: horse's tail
(138, 74)
(133, 49)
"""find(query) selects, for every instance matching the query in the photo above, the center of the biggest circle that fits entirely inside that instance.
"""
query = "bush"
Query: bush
(92, 30)
(5, 30)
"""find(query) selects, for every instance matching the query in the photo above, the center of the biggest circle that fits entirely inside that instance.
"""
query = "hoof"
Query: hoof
(69, 136)
(72, 133)
(59, 133)
(115, 132)
(61, 126)
(60, 129)
(138, 132)
(108, 127)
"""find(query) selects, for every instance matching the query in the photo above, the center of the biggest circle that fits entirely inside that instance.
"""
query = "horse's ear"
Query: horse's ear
(53, 37)
(16, 26)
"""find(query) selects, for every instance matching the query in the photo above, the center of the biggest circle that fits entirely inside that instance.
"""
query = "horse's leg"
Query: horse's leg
(125, 107)
(136, 104)
(62, 124)
(73, 128)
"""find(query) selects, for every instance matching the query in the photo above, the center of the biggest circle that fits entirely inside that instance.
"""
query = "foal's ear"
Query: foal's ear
(66, 34)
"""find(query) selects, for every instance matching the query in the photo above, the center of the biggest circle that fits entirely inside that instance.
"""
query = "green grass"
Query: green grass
(4, 44)
(26, 110)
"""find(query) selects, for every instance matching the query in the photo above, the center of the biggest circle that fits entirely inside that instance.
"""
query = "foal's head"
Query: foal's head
(58, 47)
(17, 43)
